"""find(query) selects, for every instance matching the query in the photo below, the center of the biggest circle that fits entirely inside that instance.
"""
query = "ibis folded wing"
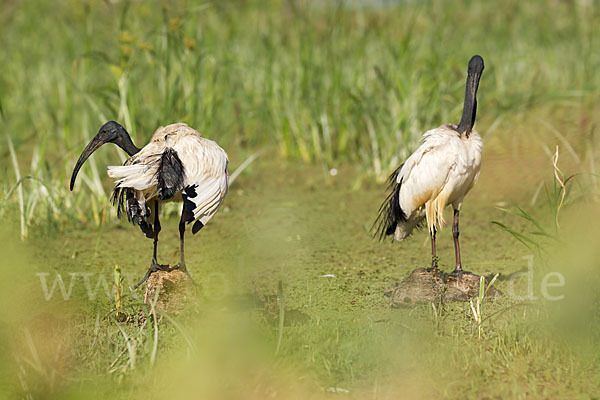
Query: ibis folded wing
(425, 173)
(206, 179)
(202, 199)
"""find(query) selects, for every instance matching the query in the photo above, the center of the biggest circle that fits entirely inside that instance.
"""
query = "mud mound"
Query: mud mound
(423, 286)
(174, 289)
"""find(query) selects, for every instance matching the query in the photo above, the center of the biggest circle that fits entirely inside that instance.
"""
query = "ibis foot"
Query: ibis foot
(436, 272)
(181, 267)
(457, 274)
(154, 266)
(433, 268)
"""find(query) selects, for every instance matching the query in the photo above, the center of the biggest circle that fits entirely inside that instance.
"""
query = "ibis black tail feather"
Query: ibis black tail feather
(390, 213)
(137, 212)
(170, 174)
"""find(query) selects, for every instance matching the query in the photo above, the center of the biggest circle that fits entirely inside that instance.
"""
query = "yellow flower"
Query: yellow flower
(143, 45)
(126, 50)
(174, 24)
(126, 37)
(189, 43)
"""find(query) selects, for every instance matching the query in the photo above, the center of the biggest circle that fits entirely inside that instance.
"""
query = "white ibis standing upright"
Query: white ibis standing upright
(177, 165)
(440, 172)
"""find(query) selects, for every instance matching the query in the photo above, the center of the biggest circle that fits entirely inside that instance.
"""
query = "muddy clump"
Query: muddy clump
(171, 290)
(423, 286)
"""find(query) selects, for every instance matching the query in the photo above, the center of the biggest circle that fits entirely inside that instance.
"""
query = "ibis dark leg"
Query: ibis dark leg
(156, 229)
(181, 245)
(181, 266)
(154, 265)
(434, 258)
(455, 234)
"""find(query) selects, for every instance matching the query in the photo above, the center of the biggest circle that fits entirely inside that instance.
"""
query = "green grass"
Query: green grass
(307, 87)
(338, 332)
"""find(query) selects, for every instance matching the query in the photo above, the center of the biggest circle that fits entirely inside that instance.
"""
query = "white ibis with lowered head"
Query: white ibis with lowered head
(177, 165)
(440, 172)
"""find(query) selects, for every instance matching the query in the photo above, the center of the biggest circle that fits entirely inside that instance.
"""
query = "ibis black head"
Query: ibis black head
(470, 108)
(110, 132)
(475, 65)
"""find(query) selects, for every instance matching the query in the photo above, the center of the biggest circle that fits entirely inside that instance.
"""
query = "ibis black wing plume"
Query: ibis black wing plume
(390, 213)
(110, 132)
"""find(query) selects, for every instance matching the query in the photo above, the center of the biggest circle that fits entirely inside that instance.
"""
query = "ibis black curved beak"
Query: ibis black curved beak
(89, 149)
(111, 132)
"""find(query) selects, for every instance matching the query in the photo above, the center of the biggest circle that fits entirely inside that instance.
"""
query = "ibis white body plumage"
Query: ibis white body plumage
(440, 172)
(205, 170)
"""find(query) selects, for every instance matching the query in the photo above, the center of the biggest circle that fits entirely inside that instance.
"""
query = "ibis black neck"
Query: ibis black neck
(470, 108)
(127, 145)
